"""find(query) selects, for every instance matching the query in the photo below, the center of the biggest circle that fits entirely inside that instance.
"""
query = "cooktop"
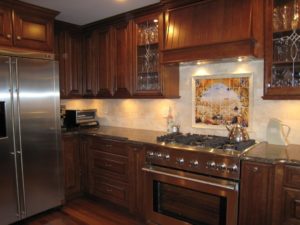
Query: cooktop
(205, 141)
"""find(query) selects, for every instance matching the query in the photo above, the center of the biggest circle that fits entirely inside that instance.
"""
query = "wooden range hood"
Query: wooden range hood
(213, 30)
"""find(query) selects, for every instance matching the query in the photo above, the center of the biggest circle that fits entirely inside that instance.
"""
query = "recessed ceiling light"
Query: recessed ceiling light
(155, 20)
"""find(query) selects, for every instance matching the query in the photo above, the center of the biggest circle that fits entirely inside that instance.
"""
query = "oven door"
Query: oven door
(182, 198)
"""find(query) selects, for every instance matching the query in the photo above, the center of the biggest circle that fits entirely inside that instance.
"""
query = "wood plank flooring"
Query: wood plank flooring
(84, 212)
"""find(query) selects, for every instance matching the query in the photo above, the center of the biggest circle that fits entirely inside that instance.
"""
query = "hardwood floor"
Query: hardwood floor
(84, 212)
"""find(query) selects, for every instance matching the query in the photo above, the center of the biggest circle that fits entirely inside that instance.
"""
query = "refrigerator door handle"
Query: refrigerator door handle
(20, 152)
(12, 69)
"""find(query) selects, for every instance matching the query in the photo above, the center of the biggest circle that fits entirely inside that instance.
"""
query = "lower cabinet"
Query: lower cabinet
(114, 172)
(71, 159)
(255, 207)
(291, 196)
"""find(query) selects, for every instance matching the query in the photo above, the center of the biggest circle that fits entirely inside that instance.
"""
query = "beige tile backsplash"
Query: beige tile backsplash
(150, 114)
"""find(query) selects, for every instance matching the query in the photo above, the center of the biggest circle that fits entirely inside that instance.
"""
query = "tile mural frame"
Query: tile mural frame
(221, 76)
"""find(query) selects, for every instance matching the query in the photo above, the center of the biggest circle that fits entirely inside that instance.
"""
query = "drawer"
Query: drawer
(109, 164)
(291, 206)
(110, 146)
(116, 192)
(292, 176)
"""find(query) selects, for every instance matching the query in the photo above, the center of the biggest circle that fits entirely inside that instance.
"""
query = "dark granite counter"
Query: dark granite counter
(268, 153)
(262, 152)
(126, 134)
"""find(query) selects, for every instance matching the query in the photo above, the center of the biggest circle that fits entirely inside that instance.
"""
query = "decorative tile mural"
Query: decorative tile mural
(218, 101)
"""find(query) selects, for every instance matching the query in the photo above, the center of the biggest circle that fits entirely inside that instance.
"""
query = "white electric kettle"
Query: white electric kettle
(277, 132)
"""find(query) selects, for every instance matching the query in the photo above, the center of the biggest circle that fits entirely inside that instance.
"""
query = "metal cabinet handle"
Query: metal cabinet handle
(19, 38)
(8, 36)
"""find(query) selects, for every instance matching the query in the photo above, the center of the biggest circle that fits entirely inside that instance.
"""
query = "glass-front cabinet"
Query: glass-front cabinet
(282, 50)
(147, 35)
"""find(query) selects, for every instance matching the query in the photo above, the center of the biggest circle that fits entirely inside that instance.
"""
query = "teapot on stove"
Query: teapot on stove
(237, 132)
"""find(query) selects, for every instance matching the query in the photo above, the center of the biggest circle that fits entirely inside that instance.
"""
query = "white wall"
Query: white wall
(150, 114)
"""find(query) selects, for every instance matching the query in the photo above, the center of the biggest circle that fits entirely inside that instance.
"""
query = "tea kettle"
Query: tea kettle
(237, 132)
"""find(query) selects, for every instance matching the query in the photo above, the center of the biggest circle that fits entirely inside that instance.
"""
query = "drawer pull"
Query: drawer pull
(107, 165)
(19, 37)
(8, 36)
(108, 146)
(108, 190)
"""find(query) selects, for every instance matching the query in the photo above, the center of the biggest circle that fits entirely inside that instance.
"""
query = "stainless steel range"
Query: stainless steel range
(193, 179)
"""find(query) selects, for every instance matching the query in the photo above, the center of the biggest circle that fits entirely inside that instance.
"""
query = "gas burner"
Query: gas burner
(205, 141)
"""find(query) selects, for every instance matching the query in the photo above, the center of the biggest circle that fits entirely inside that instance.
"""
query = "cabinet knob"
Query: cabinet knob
(19, 37)
(8, 36)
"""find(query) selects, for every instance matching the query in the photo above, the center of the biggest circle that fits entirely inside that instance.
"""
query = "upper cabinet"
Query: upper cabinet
(26, 26)
(282, 50)
(6, 26)
(68, 50)
(214, 30)
(98, 81)
(108, 64)
(122, 60)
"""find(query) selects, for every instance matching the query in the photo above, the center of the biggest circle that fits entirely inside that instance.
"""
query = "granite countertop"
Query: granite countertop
(262, 152)
(269, 153)
(125, 134)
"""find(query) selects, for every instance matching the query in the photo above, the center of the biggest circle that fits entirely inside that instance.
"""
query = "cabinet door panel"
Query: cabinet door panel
(122, 63)
(256, 194)
(5, 26)
(291, 206)
(70, 64)
(33, 32)
(70, 146)
(98, 80)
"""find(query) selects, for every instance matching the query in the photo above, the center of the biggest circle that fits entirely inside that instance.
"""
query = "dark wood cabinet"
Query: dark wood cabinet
(108, 170)
(122, 56)
(98, 78)
(214, 30)
(108, 64)
(282, 55)
(68, 49)
(72, 169)
(5, 26)
(151, 79)
(255, 206)
(114, 171)
(26, 26)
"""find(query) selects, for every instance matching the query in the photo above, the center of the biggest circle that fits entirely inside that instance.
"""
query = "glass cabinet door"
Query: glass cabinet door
(147, 32)
(283, 54)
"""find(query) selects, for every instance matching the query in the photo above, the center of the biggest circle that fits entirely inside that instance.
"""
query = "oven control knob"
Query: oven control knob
(211, 164)
(233, 168)
(150, 154)
(159, 155)
(167, 156)
(222, 166)
(194, 163)
(180, 161)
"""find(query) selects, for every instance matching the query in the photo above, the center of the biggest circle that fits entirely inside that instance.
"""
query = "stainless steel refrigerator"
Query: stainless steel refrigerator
(30, 161)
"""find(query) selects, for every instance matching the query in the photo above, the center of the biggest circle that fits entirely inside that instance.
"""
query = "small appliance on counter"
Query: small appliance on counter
(276, 132)
(81, 119)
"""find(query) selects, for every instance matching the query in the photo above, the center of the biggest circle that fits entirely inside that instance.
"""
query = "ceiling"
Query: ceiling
(82, 12)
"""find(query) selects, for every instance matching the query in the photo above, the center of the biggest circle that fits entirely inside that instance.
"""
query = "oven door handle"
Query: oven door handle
(232, 187)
